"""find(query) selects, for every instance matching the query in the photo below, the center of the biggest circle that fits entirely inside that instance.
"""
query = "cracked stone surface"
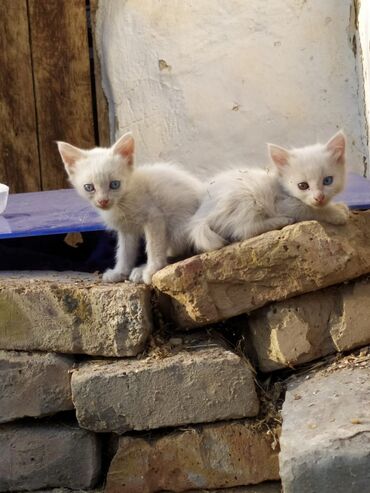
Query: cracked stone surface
(204, 382)
(325, 439)
(209, 456)
(310, 326)
(34, 384)
(71, 312)
(277, 265)
(39, 456)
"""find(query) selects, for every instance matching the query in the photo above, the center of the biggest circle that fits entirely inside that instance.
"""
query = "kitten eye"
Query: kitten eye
(89, 187)
(114, 185)
(303, 185)
(328, 180)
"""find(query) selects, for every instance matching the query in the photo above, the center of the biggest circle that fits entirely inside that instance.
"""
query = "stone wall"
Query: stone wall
(179, 387)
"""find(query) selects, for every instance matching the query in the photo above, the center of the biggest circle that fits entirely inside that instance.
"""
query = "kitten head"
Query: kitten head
(312, 174)
(100, 175)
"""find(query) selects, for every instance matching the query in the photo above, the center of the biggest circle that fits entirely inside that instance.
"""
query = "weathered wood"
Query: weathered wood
(62, 81)
(19, 159)
(101, 100)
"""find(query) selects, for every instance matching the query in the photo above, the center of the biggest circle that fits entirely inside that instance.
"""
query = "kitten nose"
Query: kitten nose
(103, 202)
(319, 198)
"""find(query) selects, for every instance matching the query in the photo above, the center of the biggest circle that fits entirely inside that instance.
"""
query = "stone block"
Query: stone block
(73, 313)
(325, 440)
(203, 382)
(273, 487)
(34, 384)
(274, 266)
(205, 457)
(43, 456)
(312, 325)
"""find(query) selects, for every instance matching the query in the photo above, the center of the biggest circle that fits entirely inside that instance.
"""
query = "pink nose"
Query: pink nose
(319, 198)
(103, 202)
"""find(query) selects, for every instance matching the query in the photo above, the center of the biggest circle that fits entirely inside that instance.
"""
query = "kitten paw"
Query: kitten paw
(137, 274)
(111, 275)
(340, 214)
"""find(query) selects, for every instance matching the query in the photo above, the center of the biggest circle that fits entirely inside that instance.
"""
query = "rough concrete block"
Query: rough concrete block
(325, 440)
(245, 276)
(204, 457)
(258, 488)
(272, 487)
(73, 313)
(34, 384)
(310, 326)
(46, 456)
(202, 383)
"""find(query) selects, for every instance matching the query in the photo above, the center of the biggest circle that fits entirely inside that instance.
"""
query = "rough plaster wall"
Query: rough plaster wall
(364, 55)
(209, 82)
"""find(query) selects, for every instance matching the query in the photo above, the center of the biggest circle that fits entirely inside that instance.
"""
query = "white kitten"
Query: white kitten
(155, 201)
(243, 203)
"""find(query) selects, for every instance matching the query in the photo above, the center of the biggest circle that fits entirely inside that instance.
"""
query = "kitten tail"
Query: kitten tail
(204, 239)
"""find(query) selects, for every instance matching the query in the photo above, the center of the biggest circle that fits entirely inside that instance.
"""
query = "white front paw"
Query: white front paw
(111, 275)
(340, 214)
(137, 274)
(144, 273)
(150, 270)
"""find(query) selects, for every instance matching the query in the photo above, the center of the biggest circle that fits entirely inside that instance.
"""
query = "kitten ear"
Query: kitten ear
(279, 155)
(125, 147)
(337, 146)
(70, 155)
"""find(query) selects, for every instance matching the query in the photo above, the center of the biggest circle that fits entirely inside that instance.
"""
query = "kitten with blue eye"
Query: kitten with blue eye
(243, 203)
(154, 201)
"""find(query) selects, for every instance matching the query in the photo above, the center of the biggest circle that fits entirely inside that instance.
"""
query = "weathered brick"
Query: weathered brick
(312, 325)
(209, 456)
(274, 266)
(33, 384)
(73, 313)
(198, 384)
(325, 440)
(271, 487)
(258, 488)
(35, 456)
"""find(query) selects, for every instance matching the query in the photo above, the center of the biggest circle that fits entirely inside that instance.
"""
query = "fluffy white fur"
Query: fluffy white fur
(155, 201)
(243, 203)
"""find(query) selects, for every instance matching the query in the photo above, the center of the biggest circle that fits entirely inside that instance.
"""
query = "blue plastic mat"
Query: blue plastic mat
(357, 192)
(63, 211)
(47, 213)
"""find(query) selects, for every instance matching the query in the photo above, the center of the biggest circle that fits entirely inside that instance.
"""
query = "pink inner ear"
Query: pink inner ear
(125, 146)
(279, 155)
(337, 146)
(69, 154)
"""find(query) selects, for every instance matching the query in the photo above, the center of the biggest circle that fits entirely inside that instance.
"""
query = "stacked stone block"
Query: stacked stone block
(75, 362)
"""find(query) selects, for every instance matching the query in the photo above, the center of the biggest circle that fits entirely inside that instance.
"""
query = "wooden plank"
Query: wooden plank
(19, 159)
(101, 100)
(62, 82)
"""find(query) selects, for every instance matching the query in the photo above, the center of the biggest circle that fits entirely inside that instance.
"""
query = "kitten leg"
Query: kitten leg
(156, 248)
(125, 258)
(137, 273)
(333, 214)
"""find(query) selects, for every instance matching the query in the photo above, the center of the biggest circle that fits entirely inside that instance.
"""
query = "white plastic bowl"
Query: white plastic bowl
(4, 192)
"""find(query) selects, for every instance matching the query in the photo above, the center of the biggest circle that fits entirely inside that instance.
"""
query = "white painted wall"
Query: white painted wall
(364, 55)
(209, 82)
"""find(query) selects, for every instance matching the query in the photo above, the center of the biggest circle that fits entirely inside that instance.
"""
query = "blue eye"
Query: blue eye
(328, 180)
(89, 187)
(114, 185)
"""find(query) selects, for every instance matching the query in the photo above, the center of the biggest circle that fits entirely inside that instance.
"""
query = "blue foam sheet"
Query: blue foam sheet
(63, 211)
